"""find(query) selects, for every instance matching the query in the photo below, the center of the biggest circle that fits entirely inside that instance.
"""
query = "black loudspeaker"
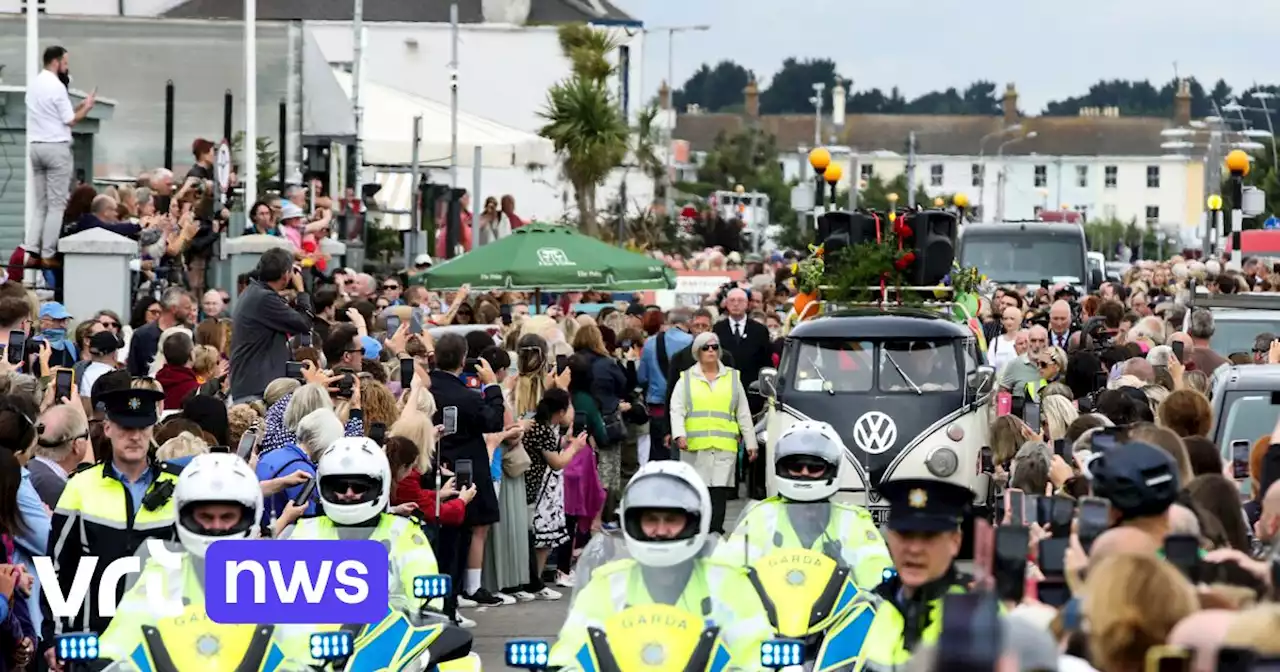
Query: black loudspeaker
(933, 238)
(840, 229)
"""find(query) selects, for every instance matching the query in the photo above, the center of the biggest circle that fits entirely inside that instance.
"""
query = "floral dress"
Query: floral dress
(544, 488)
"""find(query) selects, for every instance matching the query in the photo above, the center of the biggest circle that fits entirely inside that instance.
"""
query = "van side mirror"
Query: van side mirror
(1095, 278)
(767, 383)
(982, 380)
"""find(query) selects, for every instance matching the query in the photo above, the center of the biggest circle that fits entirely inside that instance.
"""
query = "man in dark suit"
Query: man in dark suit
(478, 412)
(749, 344)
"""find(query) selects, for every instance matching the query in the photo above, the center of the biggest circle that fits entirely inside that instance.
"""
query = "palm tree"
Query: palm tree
(584, 121)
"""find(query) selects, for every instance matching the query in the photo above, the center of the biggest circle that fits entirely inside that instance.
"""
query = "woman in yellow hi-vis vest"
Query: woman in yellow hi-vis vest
(709, 416)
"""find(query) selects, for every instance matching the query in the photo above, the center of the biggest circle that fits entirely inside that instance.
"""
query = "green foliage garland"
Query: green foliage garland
(854, 273)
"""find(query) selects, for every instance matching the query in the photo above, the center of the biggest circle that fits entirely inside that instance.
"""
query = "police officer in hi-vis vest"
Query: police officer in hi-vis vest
(924, 536)
(109, 510)
(709, 416)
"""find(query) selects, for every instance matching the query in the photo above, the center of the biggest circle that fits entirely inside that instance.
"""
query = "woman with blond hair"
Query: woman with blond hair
(1057, 413)
(1131, 603)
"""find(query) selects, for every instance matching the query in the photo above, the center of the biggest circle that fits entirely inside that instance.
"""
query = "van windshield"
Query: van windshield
(833, 365)
(1024, 259)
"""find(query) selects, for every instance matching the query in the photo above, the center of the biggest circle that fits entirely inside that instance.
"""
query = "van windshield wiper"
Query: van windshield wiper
(826, 386)
(902, 373)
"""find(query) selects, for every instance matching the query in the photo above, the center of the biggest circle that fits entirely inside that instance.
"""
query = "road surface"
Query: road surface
(533, 620)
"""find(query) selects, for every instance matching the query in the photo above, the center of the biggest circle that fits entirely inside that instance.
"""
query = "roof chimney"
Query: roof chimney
(751, 98)
(1010, 105)
(1182, 104)
(664, 96)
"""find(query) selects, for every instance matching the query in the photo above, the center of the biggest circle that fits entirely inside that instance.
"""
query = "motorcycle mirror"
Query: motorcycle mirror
(430, 586)
(331, 645)
(779, 653)
(77, 646)
(527, 654)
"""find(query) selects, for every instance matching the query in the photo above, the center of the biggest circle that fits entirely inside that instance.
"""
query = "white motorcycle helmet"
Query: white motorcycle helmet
(665, 485)
(817, 448)
(354, 480)
(219, 479)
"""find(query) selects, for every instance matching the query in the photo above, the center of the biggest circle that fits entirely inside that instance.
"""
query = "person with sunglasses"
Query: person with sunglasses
(709, 418)
(807, 459)
(1052, 363)
(354, 481)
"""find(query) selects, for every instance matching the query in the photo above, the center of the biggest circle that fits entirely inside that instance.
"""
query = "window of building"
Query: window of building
(976, 173)
(1083, 210)
(1037, 210)
(1153, 177)
(866, 170)
(1109, 176)
(935, 175)
(1153, 213)
(1042, 176)
(1082, 176)
(1109, 211)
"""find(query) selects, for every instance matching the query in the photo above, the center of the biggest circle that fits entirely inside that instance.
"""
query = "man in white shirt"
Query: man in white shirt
(50, 135)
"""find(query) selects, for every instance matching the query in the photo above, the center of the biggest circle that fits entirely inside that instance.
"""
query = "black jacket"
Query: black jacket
(479, 413)
(752, 352)
(264, 321)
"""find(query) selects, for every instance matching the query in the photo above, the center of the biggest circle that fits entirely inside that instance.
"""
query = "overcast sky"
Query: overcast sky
(1050, 50)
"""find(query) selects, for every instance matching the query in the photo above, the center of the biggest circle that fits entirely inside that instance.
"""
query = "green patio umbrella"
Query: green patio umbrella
(553, 258)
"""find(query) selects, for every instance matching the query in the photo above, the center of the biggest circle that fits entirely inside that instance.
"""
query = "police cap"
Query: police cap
(923, 505)
(132, 408)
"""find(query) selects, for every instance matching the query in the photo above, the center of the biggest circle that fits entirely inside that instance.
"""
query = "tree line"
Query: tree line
(718, 88)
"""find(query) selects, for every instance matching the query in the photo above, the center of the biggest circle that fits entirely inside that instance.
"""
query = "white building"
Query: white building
(1099, 164)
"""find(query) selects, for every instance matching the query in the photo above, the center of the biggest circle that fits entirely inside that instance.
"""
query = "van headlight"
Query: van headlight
(942, 462)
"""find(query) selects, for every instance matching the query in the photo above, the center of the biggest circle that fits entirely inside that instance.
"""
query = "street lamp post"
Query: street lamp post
(982, 163)
(832, 176)
(817, 101)
(669, 127)
(1001, 178)
(819, 160)
(1238, 165)
(1212, 225)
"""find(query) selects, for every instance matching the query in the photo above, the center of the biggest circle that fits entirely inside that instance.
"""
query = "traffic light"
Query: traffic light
(933, 239)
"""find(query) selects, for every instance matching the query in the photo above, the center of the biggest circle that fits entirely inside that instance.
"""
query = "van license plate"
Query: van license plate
(880, 515)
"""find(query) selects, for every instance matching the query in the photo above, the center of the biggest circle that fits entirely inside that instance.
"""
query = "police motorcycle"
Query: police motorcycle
(182, 638)
(806, 555)
(906, 387)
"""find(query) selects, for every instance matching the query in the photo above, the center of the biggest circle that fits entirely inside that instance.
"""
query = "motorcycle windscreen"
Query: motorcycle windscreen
(193, 642)
(655, 637)
(800, 589)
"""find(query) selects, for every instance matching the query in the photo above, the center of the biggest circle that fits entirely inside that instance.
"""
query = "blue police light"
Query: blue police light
(77, 646)
(777, 653)
(331, 645)
(888, 574)
(528, 654)
(431, 586)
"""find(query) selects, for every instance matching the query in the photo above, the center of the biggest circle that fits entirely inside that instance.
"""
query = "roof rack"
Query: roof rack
(1250, 301)
(892, 297)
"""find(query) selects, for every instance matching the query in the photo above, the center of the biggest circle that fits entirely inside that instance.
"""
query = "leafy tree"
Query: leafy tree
(717, 89)
(875, 196)
(791, 88)
(268, 161)
(584, 120)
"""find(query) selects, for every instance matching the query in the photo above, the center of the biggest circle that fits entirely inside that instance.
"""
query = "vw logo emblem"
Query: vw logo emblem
(875, 432)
